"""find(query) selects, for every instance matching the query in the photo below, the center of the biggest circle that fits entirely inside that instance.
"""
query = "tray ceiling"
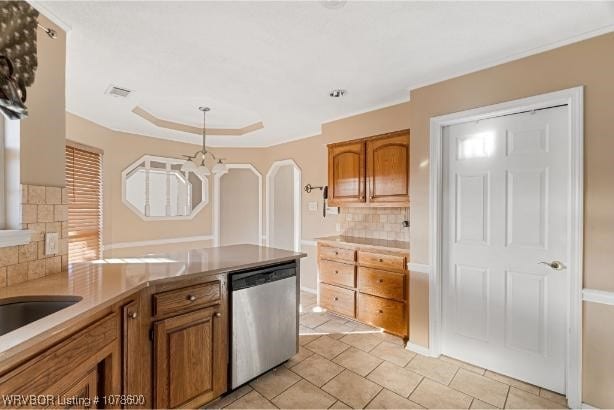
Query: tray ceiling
(276, 62)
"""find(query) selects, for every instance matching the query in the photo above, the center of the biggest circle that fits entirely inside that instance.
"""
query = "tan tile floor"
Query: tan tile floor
(343, 364)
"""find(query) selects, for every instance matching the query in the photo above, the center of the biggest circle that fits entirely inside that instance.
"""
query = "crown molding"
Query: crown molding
(177, 126)
(44, 10)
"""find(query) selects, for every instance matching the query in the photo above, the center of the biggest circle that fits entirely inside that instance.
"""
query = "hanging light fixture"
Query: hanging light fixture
(202, 170)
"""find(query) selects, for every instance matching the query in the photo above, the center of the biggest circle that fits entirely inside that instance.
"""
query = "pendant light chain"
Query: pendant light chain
(202, 170)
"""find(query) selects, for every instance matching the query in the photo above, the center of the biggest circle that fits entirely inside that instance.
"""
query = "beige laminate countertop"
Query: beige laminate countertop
(103, 284)
(400, 246)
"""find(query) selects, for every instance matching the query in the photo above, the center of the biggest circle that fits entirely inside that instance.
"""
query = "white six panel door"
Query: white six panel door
(506, 209)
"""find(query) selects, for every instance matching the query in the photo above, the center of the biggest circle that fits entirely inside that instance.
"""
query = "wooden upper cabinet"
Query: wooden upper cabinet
(372, 171)
(346, 173)
(388, 169)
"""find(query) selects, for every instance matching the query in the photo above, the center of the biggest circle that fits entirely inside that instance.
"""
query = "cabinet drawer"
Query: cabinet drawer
(381, 283)
(337, 273)
(184, 298)
(338, 299)
(385, 313)
(331, 253)
(381, 261)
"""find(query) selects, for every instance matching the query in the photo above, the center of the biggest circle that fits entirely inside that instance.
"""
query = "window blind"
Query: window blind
(84, 186)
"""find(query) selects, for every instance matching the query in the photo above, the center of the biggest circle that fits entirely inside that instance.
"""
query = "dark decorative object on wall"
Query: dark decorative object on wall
(12, 92)
(18, 63)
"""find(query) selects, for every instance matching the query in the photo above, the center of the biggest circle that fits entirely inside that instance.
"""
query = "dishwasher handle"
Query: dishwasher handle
(248, 279)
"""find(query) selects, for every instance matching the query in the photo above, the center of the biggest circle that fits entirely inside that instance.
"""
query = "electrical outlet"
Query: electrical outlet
(313, 206)
(52, 245)
(332, 210)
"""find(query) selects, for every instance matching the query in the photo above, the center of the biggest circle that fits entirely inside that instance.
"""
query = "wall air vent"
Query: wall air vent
(118, 91)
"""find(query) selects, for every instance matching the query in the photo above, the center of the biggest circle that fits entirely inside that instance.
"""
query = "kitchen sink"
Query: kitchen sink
(20, 312)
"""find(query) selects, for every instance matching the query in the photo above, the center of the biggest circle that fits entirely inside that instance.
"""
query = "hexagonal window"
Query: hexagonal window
(155, 188)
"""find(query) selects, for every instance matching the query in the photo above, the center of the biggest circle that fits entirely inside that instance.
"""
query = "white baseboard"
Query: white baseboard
(308, 290)
(425, 351)
(137, 244)
(598, 296)
(308, 242)
(587, 406)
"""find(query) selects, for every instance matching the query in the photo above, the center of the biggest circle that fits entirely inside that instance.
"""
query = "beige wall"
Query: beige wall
(43, 132)
(282, 215)
(598, 355)
(120, 224)
(239, 207)
(311, 156)
(589, 63)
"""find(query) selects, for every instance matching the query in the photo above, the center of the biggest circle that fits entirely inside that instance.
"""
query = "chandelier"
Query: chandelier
(202, 155)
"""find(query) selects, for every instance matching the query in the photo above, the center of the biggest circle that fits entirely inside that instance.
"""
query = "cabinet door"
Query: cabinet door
(190, 359)
(346, 173)
(388, 169)
(83, 393)
(136, 352)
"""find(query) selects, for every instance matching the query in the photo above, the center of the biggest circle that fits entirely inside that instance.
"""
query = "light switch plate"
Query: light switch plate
(338, 227)
(313, 206)
(52, 240)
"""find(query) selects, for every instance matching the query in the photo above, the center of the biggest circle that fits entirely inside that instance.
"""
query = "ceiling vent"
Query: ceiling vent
(118, 91)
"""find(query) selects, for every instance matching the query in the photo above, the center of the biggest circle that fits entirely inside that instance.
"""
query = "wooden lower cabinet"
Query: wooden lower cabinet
(337, 273)
(162, 347)
(82, 366)
(385, 313)
(382, 283)
(84, 392)
(190, 358)
(373, 289)
(338, 299)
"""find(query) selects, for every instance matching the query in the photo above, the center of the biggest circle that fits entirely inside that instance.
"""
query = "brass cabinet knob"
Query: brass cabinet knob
(218, 314)
(191, 298)
(336, 253)
(336, 271)
(380, 280)
(381, 260)
(335, 298)
(380, 311)
(132, 315)
(371, 197)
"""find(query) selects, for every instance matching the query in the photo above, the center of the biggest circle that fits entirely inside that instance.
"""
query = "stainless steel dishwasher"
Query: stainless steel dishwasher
(264, 320)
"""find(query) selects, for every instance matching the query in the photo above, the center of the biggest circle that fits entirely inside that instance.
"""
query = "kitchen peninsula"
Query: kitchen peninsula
(150, 331)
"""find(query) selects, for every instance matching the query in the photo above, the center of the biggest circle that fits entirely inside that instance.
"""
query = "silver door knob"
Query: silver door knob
(556, 265)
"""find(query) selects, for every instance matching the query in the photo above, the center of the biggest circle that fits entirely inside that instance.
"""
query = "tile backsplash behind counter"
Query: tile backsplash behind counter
(378, 223)
(43, 209)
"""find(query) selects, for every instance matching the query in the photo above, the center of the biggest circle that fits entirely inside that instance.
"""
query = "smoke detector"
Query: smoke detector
(337, 93)
(118, 91)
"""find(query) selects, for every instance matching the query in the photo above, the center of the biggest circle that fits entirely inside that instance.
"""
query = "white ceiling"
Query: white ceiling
(275, 62)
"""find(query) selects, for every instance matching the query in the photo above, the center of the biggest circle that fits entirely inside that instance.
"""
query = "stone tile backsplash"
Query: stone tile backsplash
(43, 209)
(378, 223)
